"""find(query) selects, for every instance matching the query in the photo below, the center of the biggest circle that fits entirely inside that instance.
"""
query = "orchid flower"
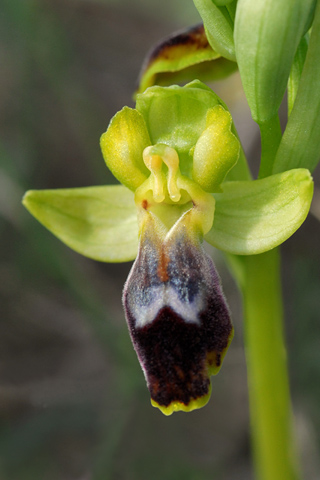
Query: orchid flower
(178, 158)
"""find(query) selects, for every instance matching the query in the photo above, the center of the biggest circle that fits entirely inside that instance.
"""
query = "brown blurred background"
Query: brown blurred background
(73, 401)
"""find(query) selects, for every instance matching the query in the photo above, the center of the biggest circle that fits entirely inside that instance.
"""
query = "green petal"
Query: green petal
(98, 222)
(122, 146)
(267, 34)
(216, 151)
(182, 57)
(218, 23)
(253, 217)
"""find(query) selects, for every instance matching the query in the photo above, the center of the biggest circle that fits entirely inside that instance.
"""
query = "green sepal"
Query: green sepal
(182, 57)
(176, 116)
(218, 24)
(98, 222)
(122, 146)
(267, 34)
(253, 217)
(216, 151)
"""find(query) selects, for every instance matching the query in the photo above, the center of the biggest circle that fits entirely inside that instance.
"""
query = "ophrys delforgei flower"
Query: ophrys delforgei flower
(184, 180)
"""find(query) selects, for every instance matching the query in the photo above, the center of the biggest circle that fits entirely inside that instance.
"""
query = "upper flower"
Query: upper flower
(184, 179)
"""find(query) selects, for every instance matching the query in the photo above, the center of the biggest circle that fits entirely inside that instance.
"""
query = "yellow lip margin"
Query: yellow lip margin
(182, 407)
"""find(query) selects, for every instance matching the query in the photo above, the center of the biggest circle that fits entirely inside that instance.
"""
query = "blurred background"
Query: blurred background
(73, 400)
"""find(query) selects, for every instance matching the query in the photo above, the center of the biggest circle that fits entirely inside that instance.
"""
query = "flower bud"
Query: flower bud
(267, 34)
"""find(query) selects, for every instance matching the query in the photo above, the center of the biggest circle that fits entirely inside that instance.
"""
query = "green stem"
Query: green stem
(271, 134)
(270, 405)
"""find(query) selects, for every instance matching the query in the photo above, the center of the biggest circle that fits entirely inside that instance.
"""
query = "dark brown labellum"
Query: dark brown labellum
(177, 316)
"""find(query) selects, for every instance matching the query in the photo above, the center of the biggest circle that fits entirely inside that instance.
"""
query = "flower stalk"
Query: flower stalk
(269, 396)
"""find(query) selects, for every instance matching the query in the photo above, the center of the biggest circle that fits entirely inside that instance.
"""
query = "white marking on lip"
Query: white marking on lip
(166, 296)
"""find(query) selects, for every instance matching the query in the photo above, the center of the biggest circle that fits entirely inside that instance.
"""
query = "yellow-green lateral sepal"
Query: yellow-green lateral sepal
(122, 146)
(98, 222)
(216, 151)
(182, 57)
(254, 217)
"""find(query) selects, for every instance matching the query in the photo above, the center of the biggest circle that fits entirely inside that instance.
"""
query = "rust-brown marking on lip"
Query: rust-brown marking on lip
(144, 204)
(163, 265)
